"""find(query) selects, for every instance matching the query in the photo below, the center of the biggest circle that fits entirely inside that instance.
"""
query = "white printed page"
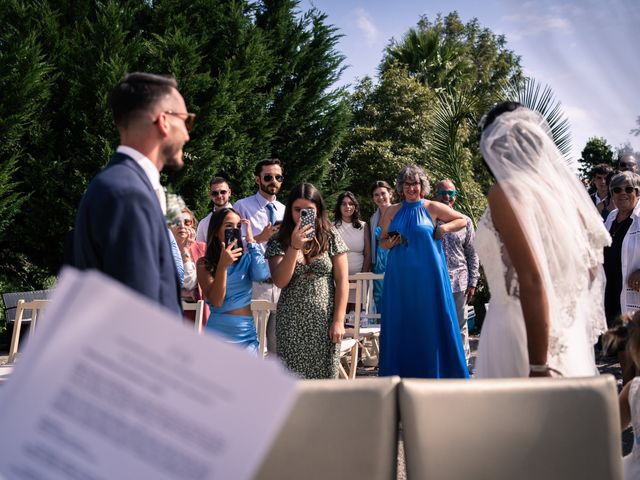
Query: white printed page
(116, 387)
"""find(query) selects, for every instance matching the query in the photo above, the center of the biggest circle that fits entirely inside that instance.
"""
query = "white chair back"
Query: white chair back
(197, 307)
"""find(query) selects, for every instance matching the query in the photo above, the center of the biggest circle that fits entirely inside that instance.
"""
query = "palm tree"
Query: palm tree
(540, 98)
(426, 55)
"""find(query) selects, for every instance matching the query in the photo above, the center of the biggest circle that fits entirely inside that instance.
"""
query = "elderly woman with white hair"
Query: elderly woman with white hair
(622, 258)
(540, 242)
(420, 337)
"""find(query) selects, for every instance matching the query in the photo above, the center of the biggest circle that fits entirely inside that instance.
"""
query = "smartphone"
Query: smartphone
(231, 234)
(395, 233)
(308, 217)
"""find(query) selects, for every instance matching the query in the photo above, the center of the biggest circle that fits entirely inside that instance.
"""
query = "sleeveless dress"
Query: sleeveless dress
(305, 313)
(239, 329)
(502, 351)
(419, 336)
(379, 266)
(354, 239)
(631, 462)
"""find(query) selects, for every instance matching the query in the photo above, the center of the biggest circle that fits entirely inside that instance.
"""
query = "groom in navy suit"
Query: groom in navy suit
(120, 226)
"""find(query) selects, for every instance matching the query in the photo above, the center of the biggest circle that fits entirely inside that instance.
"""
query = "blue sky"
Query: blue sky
(586, 50)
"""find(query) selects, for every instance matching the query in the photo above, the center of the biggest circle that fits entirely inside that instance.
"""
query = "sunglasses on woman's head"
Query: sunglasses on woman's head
(268, 177)
(182, 221)
(627, 190)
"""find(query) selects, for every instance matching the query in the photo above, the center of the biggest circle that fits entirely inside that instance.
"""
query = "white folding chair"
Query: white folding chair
(197, 307)
(261, 310)
(350, 345)
(34, 306)
(369, 336)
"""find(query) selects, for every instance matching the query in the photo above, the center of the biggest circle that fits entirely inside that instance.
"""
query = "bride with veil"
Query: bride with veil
(541, 244)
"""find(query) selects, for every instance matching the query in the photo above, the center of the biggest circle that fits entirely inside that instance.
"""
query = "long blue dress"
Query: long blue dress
(419, 337)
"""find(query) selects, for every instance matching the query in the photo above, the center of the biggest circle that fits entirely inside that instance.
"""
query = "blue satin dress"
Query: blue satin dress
(239, 329)
(419, 337)
(380, 266)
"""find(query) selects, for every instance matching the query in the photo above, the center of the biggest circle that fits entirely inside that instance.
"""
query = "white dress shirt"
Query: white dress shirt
(255, 209)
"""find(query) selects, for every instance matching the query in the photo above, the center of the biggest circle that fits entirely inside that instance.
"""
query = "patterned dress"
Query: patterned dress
(305, 313)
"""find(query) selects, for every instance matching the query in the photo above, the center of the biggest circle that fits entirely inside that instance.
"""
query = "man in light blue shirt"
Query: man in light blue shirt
(265, 212)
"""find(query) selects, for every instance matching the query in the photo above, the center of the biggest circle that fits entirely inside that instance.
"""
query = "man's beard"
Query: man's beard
(269, 188)
(173, 157)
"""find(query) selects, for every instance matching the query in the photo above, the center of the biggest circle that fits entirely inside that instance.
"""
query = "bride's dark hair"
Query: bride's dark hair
(489, 118)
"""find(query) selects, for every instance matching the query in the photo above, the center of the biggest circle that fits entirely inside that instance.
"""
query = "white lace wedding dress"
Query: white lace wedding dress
(503, 341)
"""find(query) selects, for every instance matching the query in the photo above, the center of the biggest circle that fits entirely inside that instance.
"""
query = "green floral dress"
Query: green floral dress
(305, 313)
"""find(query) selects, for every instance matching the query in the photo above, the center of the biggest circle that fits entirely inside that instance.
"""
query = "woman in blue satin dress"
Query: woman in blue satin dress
(419, 336)
(225, 275)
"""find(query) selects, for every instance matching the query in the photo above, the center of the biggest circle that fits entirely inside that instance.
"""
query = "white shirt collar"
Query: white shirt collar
(263, 201)
(147, 165)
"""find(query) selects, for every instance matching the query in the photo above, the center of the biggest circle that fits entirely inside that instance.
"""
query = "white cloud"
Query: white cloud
(366, 25)
(529, 25)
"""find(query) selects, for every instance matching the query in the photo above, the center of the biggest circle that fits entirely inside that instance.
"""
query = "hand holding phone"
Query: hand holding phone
(308, 217)
(231, 234)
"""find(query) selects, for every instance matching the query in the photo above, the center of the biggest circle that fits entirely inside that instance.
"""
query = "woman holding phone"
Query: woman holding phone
(420, 336)
(225, 275)
(308, 261)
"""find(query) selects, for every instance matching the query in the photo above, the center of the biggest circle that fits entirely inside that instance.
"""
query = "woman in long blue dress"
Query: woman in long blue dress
(419, 337)
(382, 196)
(225, 275)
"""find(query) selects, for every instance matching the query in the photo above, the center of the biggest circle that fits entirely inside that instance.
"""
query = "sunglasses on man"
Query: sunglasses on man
(216, 193)
(627, 190)
(268, 177)
(188, 118)
(451, 193)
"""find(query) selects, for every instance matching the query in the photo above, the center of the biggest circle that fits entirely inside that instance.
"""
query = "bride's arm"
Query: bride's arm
(533, 298)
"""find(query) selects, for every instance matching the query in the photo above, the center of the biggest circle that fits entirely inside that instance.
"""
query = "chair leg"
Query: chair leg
(354, 362)
(15, 337)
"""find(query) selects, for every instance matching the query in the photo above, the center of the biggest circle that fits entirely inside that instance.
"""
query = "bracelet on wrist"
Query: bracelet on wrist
(539, 368)
(536, 368)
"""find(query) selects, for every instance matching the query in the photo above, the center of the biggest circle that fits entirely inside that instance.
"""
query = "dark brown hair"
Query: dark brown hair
(214, 247)
(323, 227)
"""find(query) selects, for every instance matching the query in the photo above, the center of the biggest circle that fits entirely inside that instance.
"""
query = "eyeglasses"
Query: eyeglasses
(189, 118)
(182, 221)
(410, 184)
(627, 190)
(268, 177)
(215, 193)
(451, 193)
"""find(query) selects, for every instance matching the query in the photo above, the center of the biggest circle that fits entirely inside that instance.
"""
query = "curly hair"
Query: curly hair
(411, 172)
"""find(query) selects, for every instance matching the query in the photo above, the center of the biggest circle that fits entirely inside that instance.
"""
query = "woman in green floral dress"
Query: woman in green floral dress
(309, 264)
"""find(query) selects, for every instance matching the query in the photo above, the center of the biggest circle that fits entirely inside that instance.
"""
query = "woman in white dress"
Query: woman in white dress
(355, 233)
(540, 242)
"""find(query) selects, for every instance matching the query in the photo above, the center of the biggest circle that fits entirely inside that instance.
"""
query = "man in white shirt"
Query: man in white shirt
(265, 212)
(219, 193)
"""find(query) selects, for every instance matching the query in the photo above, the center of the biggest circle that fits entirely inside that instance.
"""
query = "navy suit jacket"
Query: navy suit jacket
(120, 230)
